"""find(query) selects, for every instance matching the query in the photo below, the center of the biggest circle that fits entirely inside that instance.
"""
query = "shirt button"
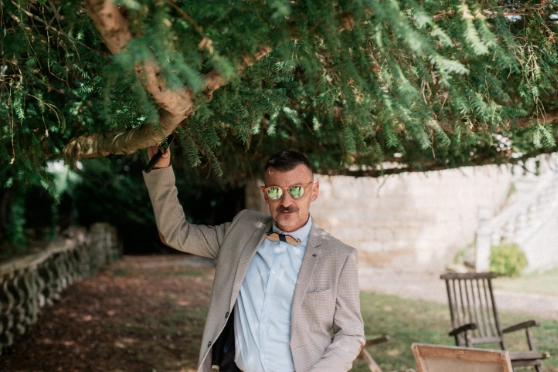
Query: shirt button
(263, 356)
(209, 344)
(273, 271)
(227, 315)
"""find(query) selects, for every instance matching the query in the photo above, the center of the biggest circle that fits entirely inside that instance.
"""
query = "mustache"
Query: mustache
(291, 208)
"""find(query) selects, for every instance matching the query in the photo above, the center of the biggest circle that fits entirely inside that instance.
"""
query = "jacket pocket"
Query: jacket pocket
(319, 307)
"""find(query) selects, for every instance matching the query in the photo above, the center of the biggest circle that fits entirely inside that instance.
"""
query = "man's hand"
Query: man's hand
(164, 162)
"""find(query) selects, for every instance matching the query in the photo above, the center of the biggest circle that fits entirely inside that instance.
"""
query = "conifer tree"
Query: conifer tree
(362, 86)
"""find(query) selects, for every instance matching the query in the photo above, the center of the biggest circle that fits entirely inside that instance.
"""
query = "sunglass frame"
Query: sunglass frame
(304, 187)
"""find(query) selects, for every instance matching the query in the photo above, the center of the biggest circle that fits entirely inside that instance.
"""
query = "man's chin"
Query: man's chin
(286, 220)
(289, 225)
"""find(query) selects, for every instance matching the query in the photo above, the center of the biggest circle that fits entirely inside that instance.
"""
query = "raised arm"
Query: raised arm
(173, 228)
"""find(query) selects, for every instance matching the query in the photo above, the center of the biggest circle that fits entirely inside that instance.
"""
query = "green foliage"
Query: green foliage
(366, 83)
(15, 234)
(507, 260)
(109, 190)
(423, 84)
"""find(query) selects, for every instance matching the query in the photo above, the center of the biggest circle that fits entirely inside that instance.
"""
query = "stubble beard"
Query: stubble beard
(287, 220)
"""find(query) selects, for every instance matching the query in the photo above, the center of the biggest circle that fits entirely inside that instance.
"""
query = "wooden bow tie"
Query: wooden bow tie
(276, 237)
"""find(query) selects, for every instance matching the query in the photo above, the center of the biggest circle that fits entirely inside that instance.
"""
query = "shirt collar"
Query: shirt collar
(301, 233)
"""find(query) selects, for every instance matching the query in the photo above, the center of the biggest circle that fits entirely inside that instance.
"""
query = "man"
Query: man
(285, 295)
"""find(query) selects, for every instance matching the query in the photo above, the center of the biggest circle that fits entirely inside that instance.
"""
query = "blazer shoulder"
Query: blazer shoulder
(331, 243)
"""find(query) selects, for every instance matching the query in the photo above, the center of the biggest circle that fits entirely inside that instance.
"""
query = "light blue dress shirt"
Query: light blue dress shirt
(262, 316)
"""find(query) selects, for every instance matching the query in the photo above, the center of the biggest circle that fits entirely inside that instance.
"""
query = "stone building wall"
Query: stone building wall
(542, 250)
(411, 221)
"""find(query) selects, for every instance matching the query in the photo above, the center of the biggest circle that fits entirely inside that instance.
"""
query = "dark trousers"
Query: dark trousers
(223, 351)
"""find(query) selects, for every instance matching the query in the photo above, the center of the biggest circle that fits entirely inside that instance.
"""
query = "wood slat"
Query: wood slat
(460, 357)
(468, 276)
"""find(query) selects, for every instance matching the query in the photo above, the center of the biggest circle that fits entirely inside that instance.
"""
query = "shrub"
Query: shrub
(507, 260)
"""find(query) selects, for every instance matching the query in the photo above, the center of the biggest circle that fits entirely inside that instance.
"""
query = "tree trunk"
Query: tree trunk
(174, 105)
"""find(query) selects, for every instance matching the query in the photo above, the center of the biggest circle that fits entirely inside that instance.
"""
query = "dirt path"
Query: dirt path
(141, 314)
(429, 287)
(147, 314)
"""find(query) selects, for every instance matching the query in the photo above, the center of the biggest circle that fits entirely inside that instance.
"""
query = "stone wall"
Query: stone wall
(410, 221)
(542, 250)
(30, 282)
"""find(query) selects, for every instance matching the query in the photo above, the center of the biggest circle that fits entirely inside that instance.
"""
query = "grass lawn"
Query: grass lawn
(409, 321)
(541, 283)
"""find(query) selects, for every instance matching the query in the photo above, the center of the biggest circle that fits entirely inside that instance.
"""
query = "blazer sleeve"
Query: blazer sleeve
(174, 230)
(348, 326)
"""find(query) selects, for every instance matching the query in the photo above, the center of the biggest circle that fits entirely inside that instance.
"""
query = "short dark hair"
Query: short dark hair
(286, 160)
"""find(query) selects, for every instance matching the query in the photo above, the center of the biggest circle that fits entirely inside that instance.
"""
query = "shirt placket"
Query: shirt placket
(270, 296)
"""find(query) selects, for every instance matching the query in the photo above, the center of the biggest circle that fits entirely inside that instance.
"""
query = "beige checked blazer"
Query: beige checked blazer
(327, 330)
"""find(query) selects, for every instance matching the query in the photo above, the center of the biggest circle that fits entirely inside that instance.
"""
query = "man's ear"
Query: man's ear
(315, 191)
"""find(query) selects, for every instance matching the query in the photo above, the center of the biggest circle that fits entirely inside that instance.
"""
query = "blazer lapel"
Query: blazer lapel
(246, 256)
(309, 261)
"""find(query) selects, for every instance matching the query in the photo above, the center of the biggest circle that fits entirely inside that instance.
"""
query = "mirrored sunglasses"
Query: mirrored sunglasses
(296, 191)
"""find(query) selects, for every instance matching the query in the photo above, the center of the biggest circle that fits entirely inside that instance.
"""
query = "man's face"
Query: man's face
(289, 213)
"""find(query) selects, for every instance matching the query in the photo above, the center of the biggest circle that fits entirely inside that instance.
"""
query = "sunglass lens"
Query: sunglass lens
(297, 191)
(274, 192)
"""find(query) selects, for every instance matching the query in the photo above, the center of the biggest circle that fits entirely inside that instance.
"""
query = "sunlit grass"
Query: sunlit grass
(541, 283)
(409, 321)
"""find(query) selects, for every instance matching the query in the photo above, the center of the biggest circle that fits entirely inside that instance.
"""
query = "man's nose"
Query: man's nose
(287, 199)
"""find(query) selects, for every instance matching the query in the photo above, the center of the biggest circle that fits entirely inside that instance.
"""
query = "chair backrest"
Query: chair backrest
(471, 300)
(438, 358)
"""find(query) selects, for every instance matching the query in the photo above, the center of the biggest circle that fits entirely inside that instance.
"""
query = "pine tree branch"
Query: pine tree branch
(522, 123)
(49, 27)
(187, 17)
(120, 143)
(485, 12)
(174, 105)
(110, 23)
(394, 166)
(548, 118)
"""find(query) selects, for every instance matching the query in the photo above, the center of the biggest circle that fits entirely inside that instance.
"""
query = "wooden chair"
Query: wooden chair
(365, 355)
(438, 358)
(475, 320)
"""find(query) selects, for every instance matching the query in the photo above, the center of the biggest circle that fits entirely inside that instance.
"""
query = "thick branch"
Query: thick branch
(123, 143)
(214, 81)
(399, 167)
(174, 105)
(522, 123)
(114, 30)
(111, 24)
(549, 117)
(485, 13)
